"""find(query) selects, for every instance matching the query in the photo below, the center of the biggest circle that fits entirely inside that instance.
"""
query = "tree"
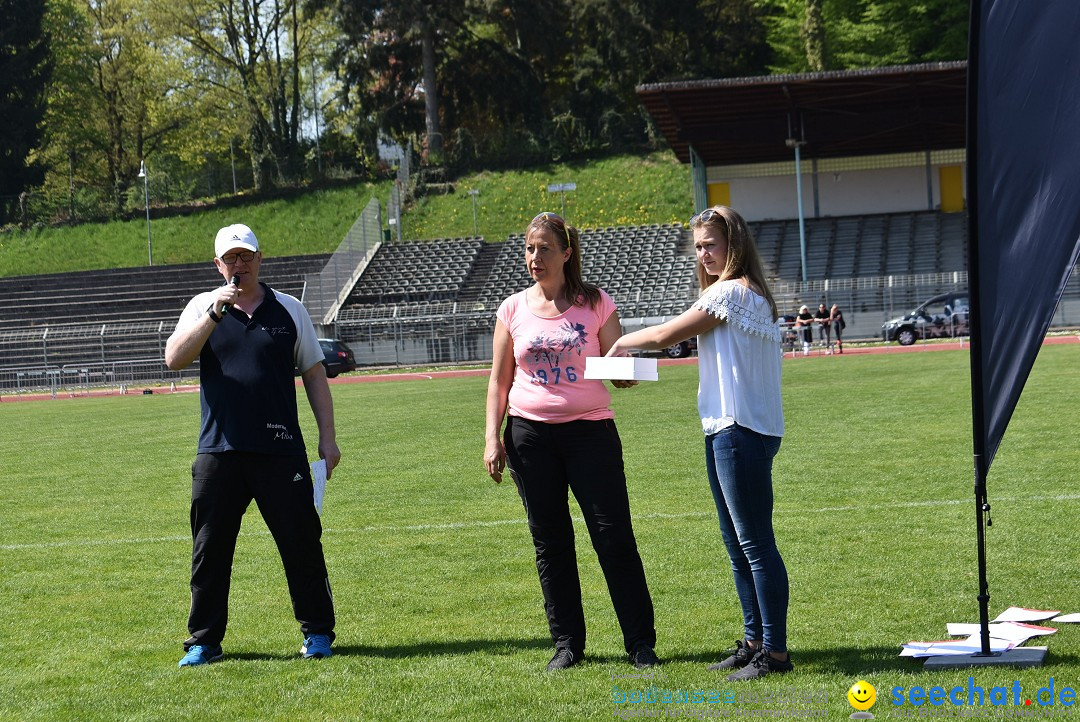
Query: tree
(657, 41)
(25, 71)
(813, 34)
(388, 59)
(249, 54)
(864, 33)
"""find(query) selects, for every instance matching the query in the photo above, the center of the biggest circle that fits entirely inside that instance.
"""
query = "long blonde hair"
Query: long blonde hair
(568, 237)
(743, 260)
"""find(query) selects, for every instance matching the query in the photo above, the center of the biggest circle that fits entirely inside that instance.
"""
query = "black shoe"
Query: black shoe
(736, 658)
(564, 658)
(762, 664)
(644, 657)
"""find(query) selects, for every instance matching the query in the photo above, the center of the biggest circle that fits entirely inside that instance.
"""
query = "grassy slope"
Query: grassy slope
(621, 190)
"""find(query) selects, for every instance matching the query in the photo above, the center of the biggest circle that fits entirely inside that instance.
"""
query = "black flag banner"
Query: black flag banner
(1023, 172)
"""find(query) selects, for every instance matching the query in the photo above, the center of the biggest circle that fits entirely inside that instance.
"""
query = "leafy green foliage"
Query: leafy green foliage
(865, 33)
(25, 69)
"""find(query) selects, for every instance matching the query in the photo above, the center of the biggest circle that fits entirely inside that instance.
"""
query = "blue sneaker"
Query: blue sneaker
(201, 654)
(316, 646)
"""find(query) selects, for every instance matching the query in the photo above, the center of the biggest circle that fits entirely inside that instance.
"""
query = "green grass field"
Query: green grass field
(439, 608)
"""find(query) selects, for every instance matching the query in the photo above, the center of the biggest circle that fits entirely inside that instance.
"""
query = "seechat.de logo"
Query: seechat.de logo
(862, 696)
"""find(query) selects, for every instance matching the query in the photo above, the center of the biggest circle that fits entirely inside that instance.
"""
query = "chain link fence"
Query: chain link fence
(326, 291)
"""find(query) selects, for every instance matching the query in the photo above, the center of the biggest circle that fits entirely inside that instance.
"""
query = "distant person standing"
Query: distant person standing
(822, 319)
(248, 339)
(560, 437)
(735, 320)
(804, 323)
(836, 318)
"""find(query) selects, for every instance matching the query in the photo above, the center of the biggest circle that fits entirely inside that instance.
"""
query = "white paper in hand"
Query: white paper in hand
(318, 479)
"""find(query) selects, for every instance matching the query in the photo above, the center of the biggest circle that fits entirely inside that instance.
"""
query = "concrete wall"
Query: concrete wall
(837, 187)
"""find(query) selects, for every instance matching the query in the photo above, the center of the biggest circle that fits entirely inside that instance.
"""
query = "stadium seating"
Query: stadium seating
(433, 270)
(150, 293)
(649, 270)
(113, 315)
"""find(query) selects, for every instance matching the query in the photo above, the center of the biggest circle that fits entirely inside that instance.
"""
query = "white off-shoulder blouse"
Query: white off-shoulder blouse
(739, 362)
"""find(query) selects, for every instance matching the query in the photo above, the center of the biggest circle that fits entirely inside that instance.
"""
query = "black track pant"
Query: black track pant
(586, 458)
(222, 486)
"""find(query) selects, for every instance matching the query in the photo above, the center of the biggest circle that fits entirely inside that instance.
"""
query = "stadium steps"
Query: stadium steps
(128, 295)
(479, 273)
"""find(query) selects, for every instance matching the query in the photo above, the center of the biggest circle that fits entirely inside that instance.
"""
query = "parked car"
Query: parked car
(679, 350)
(944, 316)
(682, 349)
(338, 357)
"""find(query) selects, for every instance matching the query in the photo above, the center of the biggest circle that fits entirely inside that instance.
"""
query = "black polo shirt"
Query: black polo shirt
(247, 375)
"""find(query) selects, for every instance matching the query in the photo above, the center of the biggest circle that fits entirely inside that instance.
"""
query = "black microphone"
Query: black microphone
(225, 309)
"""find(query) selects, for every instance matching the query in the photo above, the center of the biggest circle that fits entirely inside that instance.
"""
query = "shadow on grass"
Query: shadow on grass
(439, 649)
(849, 661)
(261, 656)
(854, 661)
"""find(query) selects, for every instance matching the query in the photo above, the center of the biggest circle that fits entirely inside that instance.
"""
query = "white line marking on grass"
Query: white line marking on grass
(505, 522)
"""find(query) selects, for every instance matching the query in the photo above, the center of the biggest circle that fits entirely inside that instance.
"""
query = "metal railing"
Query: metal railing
(324, 292)
(53, 357)
(399, 193)
(78, 379)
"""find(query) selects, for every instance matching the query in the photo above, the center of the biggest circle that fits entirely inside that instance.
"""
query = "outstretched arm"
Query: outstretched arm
(686, 325)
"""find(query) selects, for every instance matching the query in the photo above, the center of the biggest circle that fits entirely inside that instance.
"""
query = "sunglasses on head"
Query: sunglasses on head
(704, 217)
(554, 219)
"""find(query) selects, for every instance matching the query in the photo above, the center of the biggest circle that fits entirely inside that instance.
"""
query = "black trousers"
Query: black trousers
(222, 486)
(585, 457)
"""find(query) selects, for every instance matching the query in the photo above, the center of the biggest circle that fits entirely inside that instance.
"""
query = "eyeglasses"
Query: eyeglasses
(704, 217)
(230, 258)
(554, 219)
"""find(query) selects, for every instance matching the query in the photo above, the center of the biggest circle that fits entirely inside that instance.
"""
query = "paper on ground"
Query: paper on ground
(1022, 614)
(1014, 632)
(621, 368)
(318, 479)
(971, 645)
(1074, 617)
(919, 653)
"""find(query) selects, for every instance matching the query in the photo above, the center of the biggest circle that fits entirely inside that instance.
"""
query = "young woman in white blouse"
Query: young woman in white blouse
(739, 401)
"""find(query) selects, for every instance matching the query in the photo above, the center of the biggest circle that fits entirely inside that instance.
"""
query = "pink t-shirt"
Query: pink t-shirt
(549, 378)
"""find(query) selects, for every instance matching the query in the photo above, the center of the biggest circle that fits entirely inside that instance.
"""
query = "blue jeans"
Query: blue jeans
(739, 463)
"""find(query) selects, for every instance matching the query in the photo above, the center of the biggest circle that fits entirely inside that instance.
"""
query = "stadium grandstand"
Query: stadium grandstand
(876, 158)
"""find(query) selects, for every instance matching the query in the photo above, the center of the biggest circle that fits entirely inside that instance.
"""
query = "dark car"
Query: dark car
(944, 316)
(681, 349)
(338, 357)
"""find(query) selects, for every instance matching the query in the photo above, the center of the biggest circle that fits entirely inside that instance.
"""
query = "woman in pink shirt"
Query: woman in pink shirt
(560, 435)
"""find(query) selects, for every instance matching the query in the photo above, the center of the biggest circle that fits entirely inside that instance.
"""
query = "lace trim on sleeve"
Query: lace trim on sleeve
(724, 307)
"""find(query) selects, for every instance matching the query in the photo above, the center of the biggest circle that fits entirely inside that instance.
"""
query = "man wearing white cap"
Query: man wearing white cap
(248, 339)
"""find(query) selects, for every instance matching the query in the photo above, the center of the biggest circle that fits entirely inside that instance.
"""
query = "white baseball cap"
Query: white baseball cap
(235, 236)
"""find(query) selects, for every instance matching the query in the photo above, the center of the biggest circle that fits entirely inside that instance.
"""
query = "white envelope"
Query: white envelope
(621, 368)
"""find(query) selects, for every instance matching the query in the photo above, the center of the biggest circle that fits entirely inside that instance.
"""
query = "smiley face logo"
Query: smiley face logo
(862, 695)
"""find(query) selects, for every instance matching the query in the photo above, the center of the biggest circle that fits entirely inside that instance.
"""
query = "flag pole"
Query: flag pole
(1018, 657)
(975, 347)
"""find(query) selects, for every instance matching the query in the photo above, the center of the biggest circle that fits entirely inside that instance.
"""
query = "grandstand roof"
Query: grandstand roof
(839, 114)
